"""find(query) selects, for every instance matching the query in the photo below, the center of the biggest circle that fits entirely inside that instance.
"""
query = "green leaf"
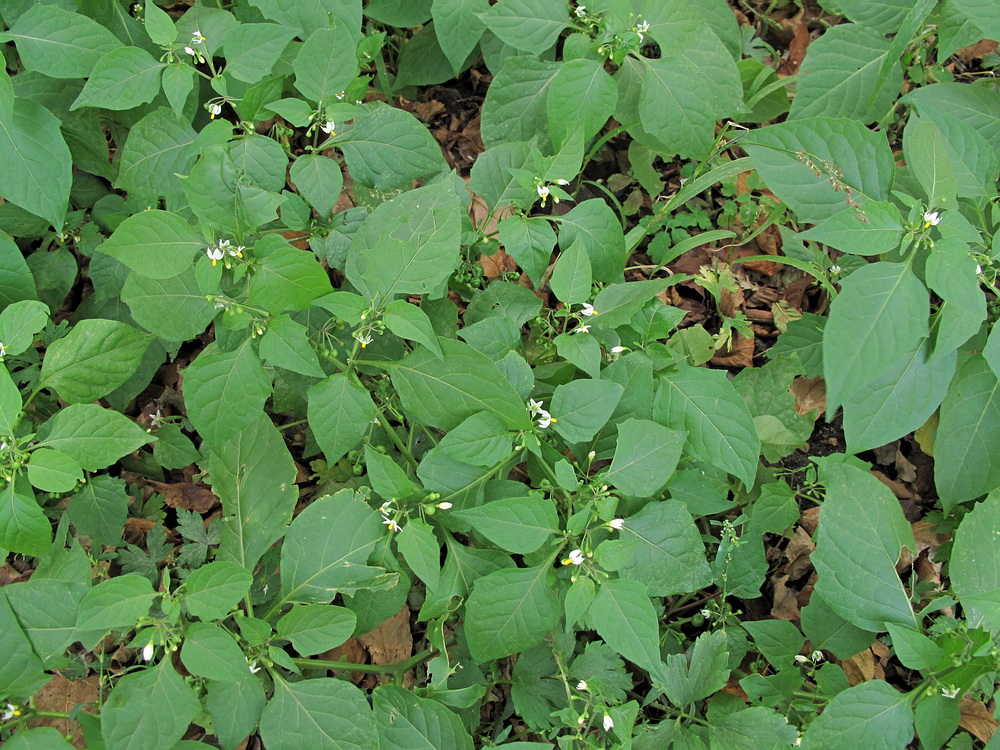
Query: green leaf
(840, 76)
(20, 321)
(319, 180)
(157, 150)
(213, 590)
(645, 457)
(857, 575)
(582, 94)
(326, 549)
(254, 477)
(252, 49)
(16, 282)
(315, 628)
(929, 158)
(514, 109)
(408, 722)
(528, 25)
(444, 392)
(178, 83)
(134, 715)
(885, 16)
(10, 404)
(100, 508)
(42, 738)
(21, 671)
(458, 28)
(778, 640)
(174, 309)
(38, 174)
(286, 278)
(976, 107)
(322, 712)
(235, 708)
(421, 550)
(210, 651)
(224, 392)
(93, 359)
(410, 322)
(669, 556)
(975, 573)
(529, 241)
(159, 25)
(827, 630)
(286, 344)
(122, 79)
(23, 526)
(52, 41)
(157, 244)
(325, 64)
(936, 718)
(339, 412)
(786, 155)
(510, 611)
(515, 524)
(915, 650)
(386, 476)
(92, 436)
(751, 728)
(879, 316)
(481, 440)
(572, 277)
(115, 603)
(408, 245)
(403, 14)
(623, 616)
(389, 148)
(52, 471)
(873, 715)
(582, 407)
(875, 229)
(594, 225)
(706, 673)
(719, 426)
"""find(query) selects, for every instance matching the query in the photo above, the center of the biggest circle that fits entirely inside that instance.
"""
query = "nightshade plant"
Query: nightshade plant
(230, 258)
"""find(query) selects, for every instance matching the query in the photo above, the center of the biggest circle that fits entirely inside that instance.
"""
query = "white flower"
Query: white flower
(575, 558)
(3, 350)
(617, 524)
(543, 192)
(10, 712)
(617, 349)
(252, 666)
(641, 29)
(564, 183)
(393, 526)
(238, 251)
(835, 269)
(816, 656)
(191, 52)
(931, 219)
(592, 455)
(609, 723)
(214, 110)
(801, 659)
(581, 685)
(341, 95)
(444, 506)
(535, 406)
(588, 309)
(196, 37)
(798, 741)
(329, 127)
(979, 270)
(147, 652)
(215, 253)
(545, 419)
(950, 692)
(364, 340)
(386, 506)
(580, 11)
(581, 329)
(705, 613)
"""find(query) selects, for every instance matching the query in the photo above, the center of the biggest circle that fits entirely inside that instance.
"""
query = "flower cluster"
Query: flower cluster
(196, 45)
(222, 250)
(545, 190)
(544, 418)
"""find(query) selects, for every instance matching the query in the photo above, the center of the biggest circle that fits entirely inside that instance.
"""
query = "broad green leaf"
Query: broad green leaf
(254, 477)
(787, 154)
(323, 712)
(879, 316)
(458, 28)
(706, 673)
(975, 572)
(873, 230)
(898, 401)
(408, 722)
(315, 628)
(572, 277)
(617, 303)
(21, 671)
(915, 650)
(975, 106)
(515, 524)
(99, 509)
(530, 242)
(421, 550)
(235, 708)
(444, 392)
(93, 359)
(931, 163)
(224, 392)
(582, 407)
(92, 436)
(60, 44)
(594, 225)
(408, 245)
(307, 15)
(936, 718)
(871, 715)
(403, 14)
(645, 457)
(24, 528)
(669, 556)
(840, 75)
(827, 630)
(857, 575)
(410, 322)
(159, 25)
(514, 109)
(213, 590)
(285, 277)
(582, 93)
(719, 426)
(325, 64)
(174, 309)
(157, 244)
(38, 174)
(751, 728)
(340, 411)
(326, 550)
(510, 611)
(178, 82)
(210, 651)
(41, 738)
(389, 148)
(386, 476)
(581, 350)
(10, 404)
(986, 15)
(252, 49)
(16, 281)
(19, 322)
(286, 344)
(115, 603)
(158, 149)
(52, 471)
(778, 640)
(122, 79)
(623, 616)
(767, 393)
(494, 179)
(528, 25)
(319, 180)
(481, 440)
(134, 715)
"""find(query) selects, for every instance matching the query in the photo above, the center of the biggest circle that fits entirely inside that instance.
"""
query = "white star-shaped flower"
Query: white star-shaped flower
(575, 558)
(931, 219)
(609, 723)
(588, 309)
(329, 127)
(215, 253)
